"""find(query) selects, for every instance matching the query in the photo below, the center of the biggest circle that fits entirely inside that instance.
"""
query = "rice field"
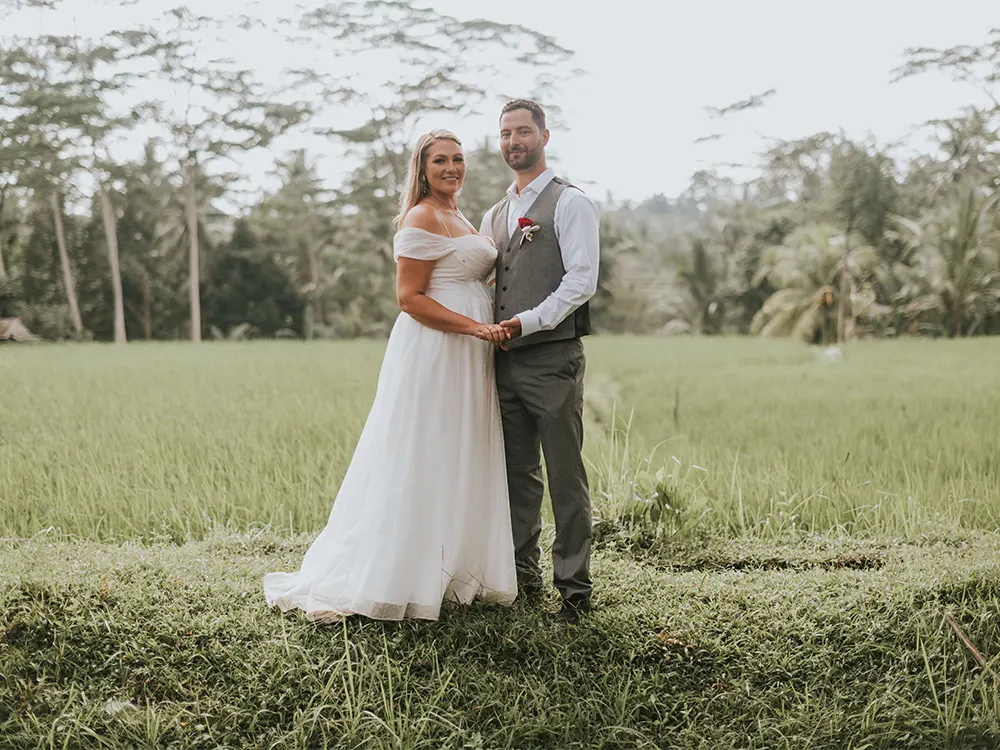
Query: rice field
(748, 437)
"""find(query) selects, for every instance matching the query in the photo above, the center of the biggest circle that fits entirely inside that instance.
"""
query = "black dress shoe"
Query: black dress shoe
(574, 608)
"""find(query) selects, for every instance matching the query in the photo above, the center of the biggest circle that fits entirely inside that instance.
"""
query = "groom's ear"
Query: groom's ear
(545, 137)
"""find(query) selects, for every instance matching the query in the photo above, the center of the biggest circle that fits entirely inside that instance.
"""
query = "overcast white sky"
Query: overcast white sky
(654, 65)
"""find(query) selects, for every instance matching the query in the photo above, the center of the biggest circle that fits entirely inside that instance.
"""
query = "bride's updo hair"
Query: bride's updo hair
(416, 187)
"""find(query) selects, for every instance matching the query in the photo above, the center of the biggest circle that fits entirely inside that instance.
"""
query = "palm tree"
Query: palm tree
(700, 305)
(189, 225)
(967, 151)
(806, 271)
(968, 146)
(954, 274)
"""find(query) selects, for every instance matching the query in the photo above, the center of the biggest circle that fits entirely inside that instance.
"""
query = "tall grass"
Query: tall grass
(742, 436)
(760, 438)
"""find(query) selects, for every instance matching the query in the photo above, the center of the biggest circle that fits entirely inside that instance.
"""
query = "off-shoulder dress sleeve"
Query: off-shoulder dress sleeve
(420, 245)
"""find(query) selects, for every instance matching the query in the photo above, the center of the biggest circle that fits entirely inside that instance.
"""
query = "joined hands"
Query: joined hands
(499, 333)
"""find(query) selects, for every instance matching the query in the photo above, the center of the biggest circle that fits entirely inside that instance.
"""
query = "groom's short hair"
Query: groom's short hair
(537, 113)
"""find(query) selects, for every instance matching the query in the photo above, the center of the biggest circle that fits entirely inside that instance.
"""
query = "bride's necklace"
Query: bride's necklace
(450, 210)
(446, 208)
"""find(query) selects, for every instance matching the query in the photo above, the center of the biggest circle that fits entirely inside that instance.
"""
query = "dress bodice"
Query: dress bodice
(468, 259)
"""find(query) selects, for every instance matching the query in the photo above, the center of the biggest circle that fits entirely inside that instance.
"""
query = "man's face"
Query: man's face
(521, 142)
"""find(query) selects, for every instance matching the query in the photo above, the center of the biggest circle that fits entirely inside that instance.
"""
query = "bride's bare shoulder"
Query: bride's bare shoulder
(422, 216)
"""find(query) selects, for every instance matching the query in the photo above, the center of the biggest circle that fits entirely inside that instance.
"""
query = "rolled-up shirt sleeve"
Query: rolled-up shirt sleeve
(577, 221)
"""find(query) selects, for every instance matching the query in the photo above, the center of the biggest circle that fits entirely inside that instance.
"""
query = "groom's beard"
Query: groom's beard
(523, 160)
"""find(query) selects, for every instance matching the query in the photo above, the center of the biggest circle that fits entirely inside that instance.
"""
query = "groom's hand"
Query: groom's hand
(513, 328)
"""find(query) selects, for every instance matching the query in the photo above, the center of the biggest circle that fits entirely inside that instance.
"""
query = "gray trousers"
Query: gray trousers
(541, 401)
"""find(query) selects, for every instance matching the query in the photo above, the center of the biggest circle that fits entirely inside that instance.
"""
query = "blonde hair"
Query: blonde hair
(416, 188)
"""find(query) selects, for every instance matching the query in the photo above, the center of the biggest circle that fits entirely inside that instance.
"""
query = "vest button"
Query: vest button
(505, 289)
(502, 307)
(506, 268)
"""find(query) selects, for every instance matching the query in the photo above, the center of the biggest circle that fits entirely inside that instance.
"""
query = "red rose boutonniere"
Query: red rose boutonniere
(528, 228)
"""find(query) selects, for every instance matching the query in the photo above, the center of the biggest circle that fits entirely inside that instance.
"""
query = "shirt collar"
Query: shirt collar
(536, 186)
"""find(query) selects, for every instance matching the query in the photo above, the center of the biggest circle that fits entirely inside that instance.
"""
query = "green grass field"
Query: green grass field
(754, 437)
(791, 551)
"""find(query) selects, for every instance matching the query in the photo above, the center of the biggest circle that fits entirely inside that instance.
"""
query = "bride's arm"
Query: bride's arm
(412, 279)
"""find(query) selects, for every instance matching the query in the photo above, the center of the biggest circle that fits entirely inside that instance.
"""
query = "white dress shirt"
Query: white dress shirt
(577, 221)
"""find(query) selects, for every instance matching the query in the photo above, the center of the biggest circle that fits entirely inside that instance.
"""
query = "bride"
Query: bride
(422, 515)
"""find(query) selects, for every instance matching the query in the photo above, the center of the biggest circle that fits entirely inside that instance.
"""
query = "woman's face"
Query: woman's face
(445, 167)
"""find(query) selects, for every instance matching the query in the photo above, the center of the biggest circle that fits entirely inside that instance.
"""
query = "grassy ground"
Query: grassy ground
(820, 643)
(791, 553)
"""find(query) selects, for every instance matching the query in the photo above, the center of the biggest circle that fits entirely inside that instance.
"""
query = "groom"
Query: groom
(546, 234)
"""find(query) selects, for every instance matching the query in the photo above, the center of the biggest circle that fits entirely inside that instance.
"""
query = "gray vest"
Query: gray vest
(528, 272)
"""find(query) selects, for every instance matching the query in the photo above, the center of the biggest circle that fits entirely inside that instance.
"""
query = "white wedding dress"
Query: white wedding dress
(422, 515)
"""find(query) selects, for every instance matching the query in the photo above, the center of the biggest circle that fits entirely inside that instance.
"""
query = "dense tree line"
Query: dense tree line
(832, 239)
